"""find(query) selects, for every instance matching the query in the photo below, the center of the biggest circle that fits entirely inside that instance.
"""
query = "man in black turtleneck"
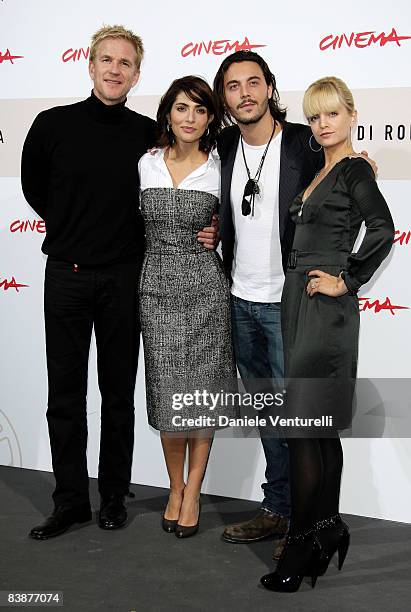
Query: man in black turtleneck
(79, 173)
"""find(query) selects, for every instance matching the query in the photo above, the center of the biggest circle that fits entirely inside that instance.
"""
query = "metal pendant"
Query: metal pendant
(256, 187)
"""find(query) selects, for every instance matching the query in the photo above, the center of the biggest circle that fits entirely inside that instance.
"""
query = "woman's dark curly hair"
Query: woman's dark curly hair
(199, 91)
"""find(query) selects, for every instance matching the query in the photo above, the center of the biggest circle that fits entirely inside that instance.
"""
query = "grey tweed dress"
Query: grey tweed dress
(184, 304)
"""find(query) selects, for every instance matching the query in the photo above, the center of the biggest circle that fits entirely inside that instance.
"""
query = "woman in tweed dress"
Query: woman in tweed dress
(184, 294)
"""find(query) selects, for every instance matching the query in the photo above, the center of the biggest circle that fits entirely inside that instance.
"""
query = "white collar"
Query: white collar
(212, 161)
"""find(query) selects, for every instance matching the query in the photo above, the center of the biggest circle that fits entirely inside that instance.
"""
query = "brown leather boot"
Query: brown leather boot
(265, 524)
(279, 547)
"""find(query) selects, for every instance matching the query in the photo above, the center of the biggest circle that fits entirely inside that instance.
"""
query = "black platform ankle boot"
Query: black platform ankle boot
(333, 535)
(300, 558)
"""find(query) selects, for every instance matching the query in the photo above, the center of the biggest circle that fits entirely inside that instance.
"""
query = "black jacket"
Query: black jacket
(298, 166)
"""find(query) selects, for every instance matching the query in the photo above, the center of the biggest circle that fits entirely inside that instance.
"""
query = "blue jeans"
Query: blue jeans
(258, 349)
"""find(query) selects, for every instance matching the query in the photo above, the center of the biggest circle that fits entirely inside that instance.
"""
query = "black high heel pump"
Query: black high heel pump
(169, 525)
(182, 531)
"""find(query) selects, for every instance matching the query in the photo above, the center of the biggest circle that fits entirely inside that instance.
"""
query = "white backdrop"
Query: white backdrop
(43, 50)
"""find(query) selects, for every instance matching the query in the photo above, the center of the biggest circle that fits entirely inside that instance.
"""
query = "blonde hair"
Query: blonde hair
(117, 31)
(325, 95)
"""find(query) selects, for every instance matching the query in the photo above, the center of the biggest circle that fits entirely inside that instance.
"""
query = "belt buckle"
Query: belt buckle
(292, 261)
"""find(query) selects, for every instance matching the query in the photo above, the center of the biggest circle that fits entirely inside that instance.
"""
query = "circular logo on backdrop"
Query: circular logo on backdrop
(10, 451)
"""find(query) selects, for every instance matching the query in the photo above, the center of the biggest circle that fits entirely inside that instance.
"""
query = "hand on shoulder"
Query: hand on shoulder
(364, 155)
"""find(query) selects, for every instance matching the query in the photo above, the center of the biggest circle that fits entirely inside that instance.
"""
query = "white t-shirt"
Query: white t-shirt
(257, 271)
(154, 173)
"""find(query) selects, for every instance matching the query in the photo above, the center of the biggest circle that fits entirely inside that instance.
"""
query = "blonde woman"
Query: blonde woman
(320, 324)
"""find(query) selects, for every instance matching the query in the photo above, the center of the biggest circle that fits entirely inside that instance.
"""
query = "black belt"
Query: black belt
(325, 258)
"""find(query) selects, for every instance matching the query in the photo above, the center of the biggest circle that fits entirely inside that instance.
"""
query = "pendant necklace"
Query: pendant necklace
(252, 186)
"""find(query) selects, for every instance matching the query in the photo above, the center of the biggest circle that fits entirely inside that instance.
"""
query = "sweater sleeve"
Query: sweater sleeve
(379, 235)
(35, 166)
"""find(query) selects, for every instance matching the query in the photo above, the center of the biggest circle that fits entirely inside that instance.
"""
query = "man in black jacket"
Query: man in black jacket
(265, 163)
(79, 173)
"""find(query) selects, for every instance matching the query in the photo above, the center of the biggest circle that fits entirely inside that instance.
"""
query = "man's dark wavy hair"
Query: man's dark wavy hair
(276, 110)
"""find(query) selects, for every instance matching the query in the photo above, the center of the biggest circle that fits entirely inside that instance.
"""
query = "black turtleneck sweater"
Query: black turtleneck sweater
(79, 173)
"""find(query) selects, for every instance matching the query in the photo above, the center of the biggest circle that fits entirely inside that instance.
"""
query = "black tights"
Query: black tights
(315, 478)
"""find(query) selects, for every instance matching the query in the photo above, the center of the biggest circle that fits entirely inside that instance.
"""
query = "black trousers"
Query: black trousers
(74, 301)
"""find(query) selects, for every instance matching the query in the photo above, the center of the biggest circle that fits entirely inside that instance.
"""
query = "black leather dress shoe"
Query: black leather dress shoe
(113, 512)
(61, 520)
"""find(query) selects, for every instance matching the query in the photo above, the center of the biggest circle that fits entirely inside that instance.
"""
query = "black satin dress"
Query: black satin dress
(320, 333)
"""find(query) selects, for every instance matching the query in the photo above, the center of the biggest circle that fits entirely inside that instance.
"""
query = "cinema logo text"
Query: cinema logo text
(402, 238)
(75, 55)
(29, 225)
(366, 303)
(397, 132)
(361, 40)
(8, 57)
(218, 47)
(11, 284)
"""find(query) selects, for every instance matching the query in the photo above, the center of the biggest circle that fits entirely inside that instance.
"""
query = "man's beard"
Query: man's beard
(251, 120)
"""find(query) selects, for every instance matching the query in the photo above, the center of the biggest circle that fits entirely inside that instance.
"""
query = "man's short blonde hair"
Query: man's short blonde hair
(117, 31)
